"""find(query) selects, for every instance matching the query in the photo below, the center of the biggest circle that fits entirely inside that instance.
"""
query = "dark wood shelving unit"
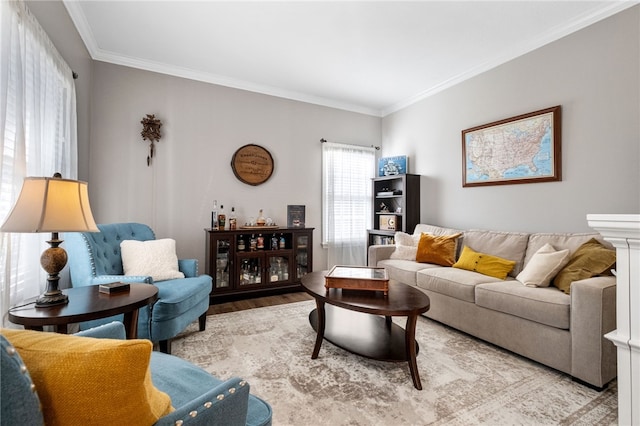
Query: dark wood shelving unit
(401, 195)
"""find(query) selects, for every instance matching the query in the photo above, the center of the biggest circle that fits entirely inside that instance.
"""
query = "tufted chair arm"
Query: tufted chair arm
(189, 267)
(226, 403)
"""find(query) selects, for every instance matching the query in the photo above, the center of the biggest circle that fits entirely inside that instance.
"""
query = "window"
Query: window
(38, 137)
(346, 201)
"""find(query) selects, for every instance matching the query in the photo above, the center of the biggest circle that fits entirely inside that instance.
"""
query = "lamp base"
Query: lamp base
(53, 260)
(54, 298)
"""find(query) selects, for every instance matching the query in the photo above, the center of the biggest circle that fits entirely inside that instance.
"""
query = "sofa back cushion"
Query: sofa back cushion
(434, 230)
(560, 241)
(507, 245)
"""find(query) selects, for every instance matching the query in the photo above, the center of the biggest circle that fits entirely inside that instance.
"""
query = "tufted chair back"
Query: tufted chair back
(93, 254)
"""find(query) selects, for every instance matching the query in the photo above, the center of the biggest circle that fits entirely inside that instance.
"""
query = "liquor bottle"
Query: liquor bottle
(261, 220)
(253, 243)
(260, 242)
(233, 220)
(222, 218)
(283, 242)
(241, 243)
(244, 272)
(274, 242)
(214, 215)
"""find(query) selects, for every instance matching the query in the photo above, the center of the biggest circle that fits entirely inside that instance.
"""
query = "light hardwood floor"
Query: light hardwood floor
(258, 302)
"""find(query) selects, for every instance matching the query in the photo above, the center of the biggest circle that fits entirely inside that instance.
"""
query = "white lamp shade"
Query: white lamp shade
(51, 205)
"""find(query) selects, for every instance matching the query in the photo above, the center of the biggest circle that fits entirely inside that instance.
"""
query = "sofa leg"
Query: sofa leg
(202, 321)
(165, 346)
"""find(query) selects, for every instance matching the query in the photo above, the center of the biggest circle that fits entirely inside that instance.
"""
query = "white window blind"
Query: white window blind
(37, 136)
(346, 201)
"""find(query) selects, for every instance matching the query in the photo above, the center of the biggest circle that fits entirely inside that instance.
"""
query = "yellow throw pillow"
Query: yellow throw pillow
(88, 381)
(485, 264)
(591, 259)
(437, 250)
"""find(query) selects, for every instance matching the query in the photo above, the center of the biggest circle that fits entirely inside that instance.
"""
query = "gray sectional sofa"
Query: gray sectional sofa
(562, 331)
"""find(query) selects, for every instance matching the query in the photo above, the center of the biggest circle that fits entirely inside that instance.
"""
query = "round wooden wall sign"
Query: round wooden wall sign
(252, 164)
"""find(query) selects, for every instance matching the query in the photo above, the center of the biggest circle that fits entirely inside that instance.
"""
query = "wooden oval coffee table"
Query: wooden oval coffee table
(363, 325)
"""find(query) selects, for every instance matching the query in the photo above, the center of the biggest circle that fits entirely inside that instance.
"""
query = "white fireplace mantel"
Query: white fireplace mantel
(623, 231)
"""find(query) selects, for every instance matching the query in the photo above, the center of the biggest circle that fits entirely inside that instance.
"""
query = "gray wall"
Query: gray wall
(203, 125)
(594, 74)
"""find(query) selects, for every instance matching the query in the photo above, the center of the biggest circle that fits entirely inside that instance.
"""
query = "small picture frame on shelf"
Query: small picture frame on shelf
(391, 166)
(295, 216)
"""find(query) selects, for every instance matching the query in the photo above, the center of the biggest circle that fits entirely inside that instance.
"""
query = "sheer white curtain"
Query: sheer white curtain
(346, 202)
(38, 137)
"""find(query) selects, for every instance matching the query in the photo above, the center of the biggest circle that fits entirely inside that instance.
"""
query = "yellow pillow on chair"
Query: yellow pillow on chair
(84, 380)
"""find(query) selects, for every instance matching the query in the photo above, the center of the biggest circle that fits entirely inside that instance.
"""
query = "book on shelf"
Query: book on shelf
(113, 287)
(379, 240)
(389, 193)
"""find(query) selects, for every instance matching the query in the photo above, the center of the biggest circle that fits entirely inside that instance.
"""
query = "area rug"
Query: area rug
(465, 381)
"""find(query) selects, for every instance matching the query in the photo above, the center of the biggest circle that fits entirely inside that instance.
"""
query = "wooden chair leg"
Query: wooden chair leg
(202, 321)
(165, 346)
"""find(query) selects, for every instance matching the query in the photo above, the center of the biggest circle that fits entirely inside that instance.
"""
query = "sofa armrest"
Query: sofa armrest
(379, 252)
(131, 279)
(225, 404)
(189, 267)
(593, 314)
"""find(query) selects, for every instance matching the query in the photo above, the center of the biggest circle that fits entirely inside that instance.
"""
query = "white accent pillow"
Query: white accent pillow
(543, 266)
(156, 258)
(406, 246)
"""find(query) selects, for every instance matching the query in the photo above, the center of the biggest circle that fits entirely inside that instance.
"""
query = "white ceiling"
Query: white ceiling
(373, 57)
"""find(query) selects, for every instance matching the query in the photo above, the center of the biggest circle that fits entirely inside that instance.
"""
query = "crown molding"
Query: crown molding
(77, 16)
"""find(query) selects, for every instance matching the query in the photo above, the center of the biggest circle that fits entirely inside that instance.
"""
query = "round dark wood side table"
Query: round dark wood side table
(86, 304)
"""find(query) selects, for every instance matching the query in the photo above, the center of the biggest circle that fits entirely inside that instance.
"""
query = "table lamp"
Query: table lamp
(51, 205)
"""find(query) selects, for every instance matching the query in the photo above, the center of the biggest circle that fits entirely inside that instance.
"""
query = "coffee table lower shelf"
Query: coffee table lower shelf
(370, 336)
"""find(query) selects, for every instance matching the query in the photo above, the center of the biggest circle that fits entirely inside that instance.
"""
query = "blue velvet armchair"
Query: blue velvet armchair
(198, 397)
(95, 258)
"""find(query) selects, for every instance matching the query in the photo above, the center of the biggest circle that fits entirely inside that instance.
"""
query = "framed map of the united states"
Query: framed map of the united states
(521, 149)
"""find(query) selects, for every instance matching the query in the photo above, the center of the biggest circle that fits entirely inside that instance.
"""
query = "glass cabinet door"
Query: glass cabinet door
(302, 255)
(250, 271)
(223, 264)
(278, 269)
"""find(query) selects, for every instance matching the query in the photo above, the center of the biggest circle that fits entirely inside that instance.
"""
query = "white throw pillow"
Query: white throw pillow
(156, 258)
(543, 266)
(406, 246)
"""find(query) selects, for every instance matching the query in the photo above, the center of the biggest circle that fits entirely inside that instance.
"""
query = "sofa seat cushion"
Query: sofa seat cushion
(453, 282)
(507, 245)
(545, 305)
(404, 270)
(178, 296)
